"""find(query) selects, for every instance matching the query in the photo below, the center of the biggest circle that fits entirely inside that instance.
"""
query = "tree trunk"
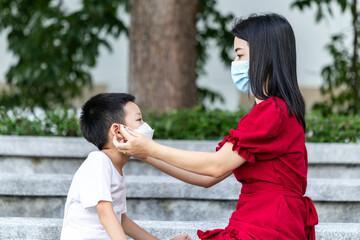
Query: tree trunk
(163, 53)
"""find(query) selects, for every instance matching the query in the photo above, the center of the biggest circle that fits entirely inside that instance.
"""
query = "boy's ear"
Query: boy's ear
(115, 131)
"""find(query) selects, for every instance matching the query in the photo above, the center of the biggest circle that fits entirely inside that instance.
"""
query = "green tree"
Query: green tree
(341, 86)
(55, 48)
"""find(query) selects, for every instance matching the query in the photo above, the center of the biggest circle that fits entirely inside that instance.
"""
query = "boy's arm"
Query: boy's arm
(183, 175)
(135, 231)
(109, 220)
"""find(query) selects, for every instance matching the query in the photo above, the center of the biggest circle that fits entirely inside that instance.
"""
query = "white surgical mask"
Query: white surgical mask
(146, 130)
(239, 74)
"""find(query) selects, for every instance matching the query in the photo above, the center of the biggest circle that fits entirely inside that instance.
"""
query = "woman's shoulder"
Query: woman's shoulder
(271, 102)
(269, 110)
(271, 106)
(265, 122)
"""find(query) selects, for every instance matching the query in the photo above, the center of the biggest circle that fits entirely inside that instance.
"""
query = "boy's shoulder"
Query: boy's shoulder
(97, 155)
(96, 165)
(96, 159)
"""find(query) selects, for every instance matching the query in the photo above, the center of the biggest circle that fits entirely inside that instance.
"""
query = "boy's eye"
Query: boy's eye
(239, 56)
(139, 119)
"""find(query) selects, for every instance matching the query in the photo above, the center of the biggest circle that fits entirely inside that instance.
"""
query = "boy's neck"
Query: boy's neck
(117, 158)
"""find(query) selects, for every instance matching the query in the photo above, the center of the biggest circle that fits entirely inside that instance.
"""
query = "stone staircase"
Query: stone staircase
(36, 172)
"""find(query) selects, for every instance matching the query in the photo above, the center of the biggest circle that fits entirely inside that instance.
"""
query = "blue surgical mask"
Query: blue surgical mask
(240, 76)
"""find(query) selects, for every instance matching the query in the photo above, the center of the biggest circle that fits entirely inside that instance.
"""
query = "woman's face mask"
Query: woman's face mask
(240, 76)
(240, 66)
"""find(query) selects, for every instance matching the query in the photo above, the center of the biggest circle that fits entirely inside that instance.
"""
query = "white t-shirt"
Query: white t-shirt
(97, 179)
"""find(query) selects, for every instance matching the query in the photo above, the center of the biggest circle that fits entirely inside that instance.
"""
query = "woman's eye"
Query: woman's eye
(139, 119)
(239, 56)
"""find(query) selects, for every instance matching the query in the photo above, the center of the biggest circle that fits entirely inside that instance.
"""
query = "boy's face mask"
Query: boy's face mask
(146, 130)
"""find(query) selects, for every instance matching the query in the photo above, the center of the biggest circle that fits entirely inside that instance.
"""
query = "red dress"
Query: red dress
(274, 178)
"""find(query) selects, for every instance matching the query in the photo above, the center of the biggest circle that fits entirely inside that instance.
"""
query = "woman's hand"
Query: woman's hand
(136, 144)
(182, 237)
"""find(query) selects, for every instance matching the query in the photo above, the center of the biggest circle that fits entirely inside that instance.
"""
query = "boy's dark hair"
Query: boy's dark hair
(99, 113)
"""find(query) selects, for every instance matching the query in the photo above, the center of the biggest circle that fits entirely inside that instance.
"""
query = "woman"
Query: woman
(266, 153)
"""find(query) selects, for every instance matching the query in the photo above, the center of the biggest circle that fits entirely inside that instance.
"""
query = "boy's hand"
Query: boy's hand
(182, 237)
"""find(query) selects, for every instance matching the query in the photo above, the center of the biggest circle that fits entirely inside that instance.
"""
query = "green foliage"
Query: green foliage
(335, 128)
(200, 124)
(54, 49)
(196, 123)
(322, 6)
(212, 96)
(55, 122)
(339, 75)
(341, 87)
(192, 124)
(212, 26)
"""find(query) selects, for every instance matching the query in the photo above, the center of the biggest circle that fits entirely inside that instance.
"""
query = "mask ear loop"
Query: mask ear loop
(126, 127)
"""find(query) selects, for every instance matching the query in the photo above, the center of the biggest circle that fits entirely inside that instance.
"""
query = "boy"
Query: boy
(96, 203)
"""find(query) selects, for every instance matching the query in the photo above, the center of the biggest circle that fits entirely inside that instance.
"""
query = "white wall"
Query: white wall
(112, 68)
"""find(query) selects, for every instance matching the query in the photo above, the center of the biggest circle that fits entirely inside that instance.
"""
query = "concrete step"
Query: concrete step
(165, 198)
(77, 147)
(23, 154)
(45, 228)
(31, 165)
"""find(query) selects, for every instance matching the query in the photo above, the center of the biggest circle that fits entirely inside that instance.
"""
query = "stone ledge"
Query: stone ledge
(40, 165)
(338, 190)
(44, 228)
(77, 147)
(163, 209)
(67, 147)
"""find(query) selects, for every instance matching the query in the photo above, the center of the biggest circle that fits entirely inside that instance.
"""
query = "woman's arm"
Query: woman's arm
(215, 164)
(135, 231)
(183, 175)
(109, 220)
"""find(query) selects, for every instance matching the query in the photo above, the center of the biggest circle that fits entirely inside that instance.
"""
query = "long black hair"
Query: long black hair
(272, 70)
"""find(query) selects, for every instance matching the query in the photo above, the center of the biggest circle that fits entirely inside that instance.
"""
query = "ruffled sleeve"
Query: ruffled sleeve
(258, 136)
